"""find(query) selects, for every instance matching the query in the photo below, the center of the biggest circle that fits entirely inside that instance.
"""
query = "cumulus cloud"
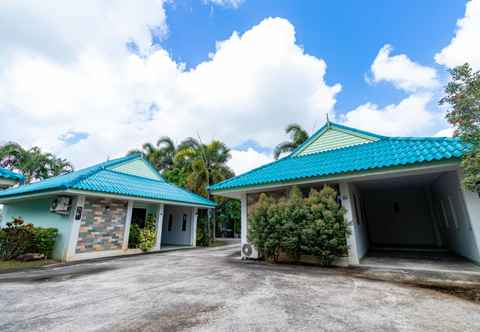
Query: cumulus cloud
(464, 45)
(246, 160)
(402, 72)
(409, 117)
(91, 83)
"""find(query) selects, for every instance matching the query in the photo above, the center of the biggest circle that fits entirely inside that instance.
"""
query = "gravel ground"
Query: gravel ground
(212, 290)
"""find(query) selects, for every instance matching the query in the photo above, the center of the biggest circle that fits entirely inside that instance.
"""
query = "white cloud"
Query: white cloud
(250, 88)
(225, 3)
(409, 117)
(464, 47)
(244, 161)
(402, 72)
(448, 132)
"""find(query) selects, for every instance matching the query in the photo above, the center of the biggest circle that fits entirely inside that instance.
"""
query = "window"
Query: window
(184, 223)
(170, 222)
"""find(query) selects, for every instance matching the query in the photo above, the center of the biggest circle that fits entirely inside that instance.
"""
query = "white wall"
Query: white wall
(459, 215)
(176, 235)
(360, 224)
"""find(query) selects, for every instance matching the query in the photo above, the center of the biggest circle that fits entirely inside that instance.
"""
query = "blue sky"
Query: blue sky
(346, 34)
(94, 79)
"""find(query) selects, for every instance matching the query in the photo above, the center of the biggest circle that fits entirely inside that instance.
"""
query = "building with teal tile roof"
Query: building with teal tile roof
(93, 208)
(9, 178)
(400, 193)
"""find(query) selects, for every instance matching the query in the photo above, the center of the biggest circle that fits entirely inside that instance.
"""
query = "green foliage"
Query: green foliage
(298, 136)
(19, 238)
(134, 236)
(298, 226)
(32, 163)
(148, 234)
(44, 240)
(192, 165)
(228, 215)
(462, 94)
(147, 238)
(203, 239)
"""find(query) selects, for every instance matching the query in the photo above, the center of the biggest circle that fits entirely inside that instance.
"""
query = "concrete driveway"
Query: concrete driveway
(212, 290)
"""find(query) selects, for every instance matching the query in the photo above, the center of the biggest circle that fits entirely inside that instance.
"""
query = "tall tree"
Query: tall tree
(32, 163)
(297, 134)
(462, 94)
(206, 163)
(161, 155)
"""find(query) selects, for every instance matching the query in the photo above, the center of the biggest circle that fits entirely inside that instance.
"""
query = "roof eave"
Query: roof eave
(446, 165)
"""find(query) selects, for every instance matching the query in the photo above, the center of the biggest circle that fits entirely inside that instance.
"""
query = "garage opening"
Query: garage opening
(415, 220)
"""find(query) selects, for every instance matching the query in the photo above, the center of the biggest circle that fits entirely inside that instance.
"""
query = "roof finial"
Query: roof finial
(328, 120)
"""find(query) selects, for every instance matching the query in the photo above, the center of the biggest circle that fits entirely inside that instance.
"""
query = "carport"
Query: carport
(415, 220)
(179, 226)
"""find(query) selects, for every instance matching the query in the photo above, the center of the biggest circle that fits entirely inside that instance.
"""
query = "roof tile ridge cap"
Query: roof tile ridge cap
(250, 171)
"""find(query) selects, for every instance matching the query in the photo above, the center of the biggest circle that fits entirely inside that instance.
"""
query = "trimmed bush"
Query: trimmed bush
(134, 236)
(298, 226)
(19, 238)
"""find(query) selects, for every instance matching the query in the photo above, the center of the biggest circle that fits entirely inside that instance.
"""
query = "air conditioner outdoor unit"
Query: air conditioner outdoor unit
(249, 251)
(61, 205)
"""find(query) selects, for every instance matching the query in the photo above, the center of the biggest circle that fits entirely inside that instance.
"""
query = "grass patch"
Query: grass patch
(16, 265)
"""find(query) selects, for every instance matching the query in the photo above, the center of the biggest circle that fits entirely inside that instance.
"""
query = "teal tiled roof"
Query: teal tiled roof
(382, 153)
(8, 174)
(101, 179)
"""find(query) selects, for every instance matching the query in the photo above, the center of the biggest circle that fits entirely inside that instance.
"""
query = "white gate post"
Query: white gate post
(128, 222)
(193, 236)
(158, 239)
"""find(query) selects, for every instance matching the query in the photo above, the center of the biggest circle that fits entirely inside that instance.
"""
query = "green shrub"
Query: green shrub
(148, 235)
(299, 226)
(19, 238)
(147, 238)
(134, 236)
(44, 241)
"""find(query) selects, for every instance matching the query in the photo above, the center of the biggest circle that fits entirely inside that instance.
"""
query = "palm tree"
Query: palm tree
(206, 163)
(298, 136)
(32, 163)
(161, 155)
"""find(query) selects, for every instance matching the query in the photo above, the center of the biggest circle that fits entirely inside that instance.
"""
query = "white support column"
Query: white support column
(75, 219)
(351, 240)
(193, 235)
(158, 240)
(128, 222)
(243, 220)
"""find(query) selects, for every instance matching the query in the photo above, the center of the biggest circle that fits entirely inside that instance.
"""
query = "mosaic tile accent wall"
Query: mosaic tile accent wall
(102, 226)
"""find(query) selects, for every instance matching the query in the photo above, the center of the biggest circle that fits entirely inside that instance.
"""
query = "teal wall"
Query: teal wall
(36, 212)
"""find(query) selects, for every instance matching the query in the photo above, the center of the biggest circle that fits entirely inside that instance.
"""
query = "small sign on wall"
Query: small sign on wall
(78, 213)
